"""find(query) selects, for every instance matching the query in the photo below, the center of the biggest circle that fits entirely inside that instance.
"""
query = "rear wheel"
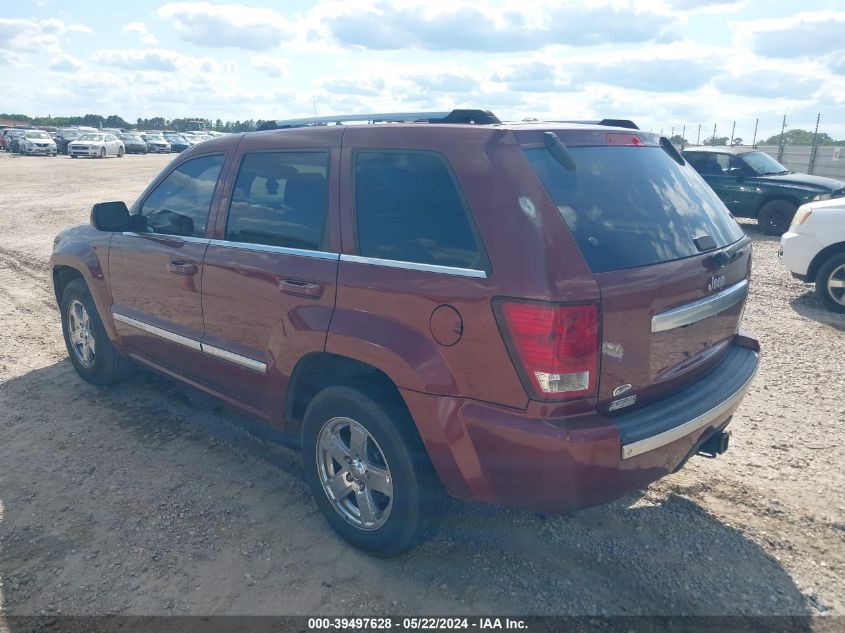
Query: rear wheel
(91, 352)
(775, 216)
(120, 152)
(369, 472)
(103, 152)
(830, 283)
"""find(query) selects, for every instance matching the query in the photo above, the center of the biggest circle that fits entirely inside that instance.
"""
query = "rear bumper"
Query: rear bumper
(506, 457)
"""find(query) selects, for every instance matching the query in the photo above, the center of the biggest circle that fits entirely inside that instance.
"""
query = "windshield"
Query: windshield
(130, 137)
(763, 164)
(69, 133)
(633, 206)
(37, 135)
(155, 137)
(174, 137)
(90, 137)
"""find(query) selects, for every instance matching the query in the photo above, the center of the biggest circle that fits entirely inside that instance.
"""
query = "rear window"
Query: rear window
(633, 206)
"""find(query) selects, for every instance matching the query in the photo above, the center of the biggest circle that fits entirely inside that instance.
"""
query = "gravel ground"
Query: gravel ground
(150, 498)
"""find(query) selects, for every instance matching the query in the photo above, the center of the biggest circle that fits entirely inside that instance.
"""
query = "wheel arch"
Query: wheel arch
(821, 257)
(318, 370)
(771, 197)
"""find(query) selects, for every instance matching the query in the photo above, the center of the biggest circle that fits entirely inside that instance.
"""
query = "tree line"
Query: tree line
(154, 123)
(790, 137)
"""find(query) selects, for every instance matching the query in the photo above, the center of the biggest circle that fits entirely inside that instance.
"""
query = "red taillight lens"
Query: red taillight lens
(556, 346)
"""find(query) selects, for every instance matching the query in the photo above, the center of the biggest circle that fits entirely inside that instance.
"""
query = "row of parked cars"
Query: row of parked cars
(89, 141)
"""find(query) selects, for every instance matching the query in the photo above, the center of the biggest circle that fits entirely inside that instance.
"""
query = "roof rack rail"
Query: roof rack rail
(609, 122)
(478, 117)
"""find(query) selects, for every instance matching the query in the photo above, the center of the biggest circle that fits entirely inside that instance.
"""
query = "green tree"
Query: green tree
(800, 137)
(716, 140)
(679, 140)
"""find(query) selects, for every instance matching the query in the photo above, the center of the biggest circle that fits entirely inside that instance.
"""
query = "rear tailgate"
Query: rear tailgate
(671, 263)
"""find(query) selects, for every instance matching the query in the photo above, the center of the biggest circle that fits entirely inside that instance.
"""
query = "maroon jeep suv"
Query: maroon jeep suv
(543, 316)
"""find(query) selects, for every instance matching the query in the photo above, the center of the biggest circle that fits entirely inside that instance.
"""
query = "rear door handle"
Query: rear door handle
(301, 288)
(182, 268)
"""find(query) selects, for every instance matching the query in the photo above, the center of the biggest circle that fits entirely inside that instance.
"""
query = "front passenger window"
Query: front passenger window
(180, 204)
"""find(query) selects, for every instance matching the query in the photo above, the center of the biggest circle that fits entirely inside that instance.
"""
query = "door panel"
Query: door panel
(156, 275)
(269, 278)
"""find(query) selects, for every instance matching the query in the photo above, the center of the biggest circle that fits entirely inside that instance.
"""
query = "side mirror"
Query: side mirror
(111, 217)
(736, 172)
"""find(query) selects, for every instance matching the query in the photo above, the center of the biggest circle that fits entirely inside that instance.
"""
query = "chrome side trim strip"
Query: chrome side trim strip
(244, 361)
(157, 331)
(178, 238)
(701, 309)
(193, 344)
(430, 268)
(282, 250)
(667, 437)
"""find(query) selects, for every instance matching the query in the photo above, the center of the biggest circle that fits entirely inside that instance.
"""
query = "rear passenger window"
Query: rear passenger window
(280, 199)
(179, 205)
(408, 208)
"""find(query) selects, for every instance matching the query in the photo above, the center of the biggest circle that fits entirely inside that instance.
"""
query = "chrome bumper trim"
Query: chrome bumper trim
(429, 268)
(701, 309)
(714, 415)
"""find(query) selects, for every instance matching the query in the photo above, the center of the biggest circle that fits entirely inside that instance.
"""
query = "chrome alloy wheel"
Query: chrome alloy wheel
(354, 472)
(836, 285)
(81, 336)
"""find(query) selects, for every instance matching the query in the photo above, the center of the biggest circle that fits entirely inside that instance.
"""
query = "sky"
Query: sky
(663, 63)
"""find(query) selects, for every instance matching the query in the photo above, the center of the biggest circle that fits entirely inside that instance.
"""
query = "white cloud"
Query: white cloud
(222, 25)
(773, 83)
(31, 35)
(65, 64)
(800, 35)
(160, 60)
(140, 29)
(477, 25)
(270, 66)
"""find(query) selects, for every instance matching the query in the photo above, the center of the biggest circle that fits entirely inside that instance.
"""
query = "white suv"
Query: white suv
(814, 250)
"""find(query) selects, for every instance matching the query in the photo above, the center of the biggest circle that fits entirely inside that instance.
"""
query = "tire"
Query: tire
(103, 152)
(120, 152)
(72, 156)
(100, 363)
(775, 216)
(391, 448)
(832, 271)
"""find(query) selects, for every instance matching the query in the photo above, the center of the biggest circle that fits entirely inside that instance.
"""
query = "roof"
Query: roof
(720, 149)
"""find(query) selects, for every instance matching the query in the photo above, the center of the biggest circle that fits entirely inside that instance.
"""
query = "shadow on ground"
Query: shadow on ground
(110, 496)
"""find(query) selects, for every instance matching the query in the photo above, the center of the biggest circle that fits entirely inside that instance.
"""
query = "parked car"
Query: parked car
(814, 250)
(13, 139)
(37, 142)
(96, 145)
(752, 184)
(178, 143)
(133, 143)
(64, 136)
(157, 143)
(3, 134)
(543, 316)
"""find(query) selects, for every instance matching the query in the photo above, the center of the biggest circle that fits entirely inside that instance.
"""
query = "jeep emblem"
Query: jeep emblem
(717, 282)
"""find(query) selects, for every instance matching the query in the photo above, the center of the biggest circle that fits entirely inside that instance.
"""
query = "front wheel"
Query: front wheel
(830, 283)
(103, 152)
(775, 217)
(369, 472)
(92, 353)
(120, 152)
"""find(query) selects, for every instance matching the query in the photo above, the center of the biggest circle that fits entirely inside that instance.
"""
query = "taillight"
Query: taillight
(555, 346)
(623, 138)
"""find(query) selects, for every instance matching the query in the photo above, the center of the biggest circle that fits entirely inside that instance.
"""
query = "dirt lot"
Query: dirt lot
(148, 498)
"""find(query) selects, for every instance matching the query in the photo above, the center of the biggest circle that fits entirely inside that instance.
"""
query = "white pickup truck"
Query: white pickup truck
(814, 250)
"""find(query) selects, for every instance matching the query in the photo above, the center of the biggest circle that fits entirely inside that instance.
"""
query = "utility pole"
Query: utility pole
(754, 142)
(683, 140)
(780, 143)
(698, 137)
(733, 134)
(713, 138)
(812, 163)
